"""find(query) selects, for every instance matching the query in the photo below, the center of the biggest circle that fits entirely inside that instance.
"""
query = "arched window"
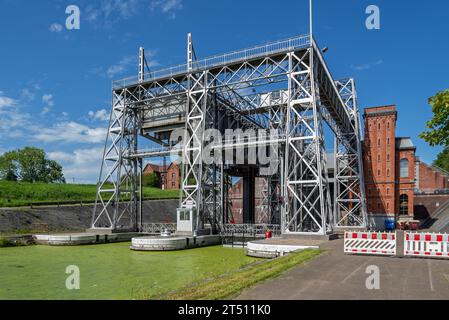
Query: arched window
(403, 205)
(404, 168)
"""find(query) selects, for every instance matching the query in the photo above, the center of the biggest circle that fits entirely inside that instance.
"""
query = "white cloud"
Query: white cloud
(81, 164)
(366, 66)
(120, 67)
(109, 12)
(12, 119)
(167, 6)
(129, 61)
(101, 115)
(45, 110)
(47, 99)
(6, 102)
(27, 94)
(56, 27)
(70, 132)
(17, 123)
(112, 11)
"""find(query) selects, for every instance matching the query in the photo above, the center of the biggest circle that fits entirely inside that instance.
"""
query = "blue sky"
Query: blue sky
(55, 83)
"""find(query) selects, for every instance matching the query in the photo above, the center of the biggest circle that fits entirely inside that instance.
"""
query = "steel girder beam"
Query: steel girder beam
(349, 187)
(306, 187)
(193, 141)
(118, 200)
(213, 175)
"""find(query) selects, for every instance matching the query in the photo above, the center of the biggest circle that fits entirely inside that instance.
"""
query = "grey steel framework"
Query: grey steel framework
(284, 89)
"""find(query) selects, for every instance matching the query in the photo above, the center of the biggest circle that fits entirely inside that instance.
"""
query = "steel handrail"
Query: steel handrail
(219, 60)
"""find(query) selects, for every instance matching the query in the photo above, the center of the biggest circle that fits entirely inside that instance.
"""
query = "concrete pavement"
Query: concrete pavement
(334, 275)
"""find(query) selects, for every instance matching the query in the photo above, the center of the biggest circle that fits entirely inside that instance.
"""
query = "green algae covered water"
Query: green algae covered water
(110, 271)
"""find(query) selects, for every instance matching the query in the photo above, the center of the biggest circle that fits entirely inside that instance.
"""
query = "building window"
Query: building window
(378, 126)
(388, 205)
(403, 205)
(378, 157)
(378, 142)
(388, 157)
(378, 173)
(388, 172)
(404, 168)
(388, 141)
(388, 125)
(173, 175)
(184, 216)
(388, 191)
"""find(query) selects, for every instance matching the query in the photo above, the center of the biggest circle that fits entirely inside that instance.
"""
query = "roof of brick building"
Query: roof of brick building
(403, 143)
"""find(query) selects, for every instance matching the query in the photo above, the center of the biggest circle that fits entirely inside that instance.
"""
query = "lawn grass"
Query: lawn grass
(229, 285)
(15, 194)
(110, 271)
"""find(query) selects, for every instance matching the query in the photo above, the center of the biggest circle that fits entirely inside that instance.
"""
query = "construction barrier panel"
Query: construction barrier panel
(371, 243)
(420, 244)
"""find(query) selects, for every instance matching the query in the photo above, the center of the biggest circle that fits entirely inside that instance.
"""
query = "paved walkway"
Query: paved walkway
(334, 275)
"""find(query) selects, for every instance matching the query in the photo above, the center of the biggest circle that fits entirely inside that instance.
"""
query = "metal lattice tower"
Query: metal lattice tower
(285, 92)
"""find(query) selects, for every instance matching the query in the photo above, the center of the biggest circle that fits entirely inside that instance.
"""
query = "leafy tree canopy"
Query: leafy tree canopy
(438, 133)
(30, 165)
(442, 160)
(151, 180)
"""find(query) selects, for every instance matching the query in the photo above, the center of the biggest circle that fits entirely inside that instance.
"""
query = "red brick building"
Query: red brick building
(389, 164)
(394, 175)
(430, 178)
(169, 176)
(432, 189)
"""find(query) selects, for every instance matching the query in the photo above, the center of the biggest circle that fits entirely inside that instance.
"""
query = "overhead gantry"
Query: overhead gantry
(285, 93)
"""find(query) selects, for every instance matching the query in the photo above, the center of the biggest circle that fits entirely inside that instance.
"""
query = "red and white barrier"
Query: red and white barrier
(373, 243)
(419, 244)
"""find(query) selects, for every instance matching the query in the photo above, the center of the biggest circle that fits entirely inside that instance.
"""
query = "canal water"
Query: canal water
(109, 271)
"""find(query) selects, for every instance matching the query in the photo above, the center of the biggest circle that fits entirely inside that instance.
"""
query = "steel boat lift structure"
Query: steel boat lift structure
(283, 87)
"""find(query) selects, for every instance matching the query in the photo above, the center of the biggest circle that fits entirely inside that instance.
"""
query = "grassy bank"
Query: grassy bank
(15, 194)
(231, 284)
(110, 271)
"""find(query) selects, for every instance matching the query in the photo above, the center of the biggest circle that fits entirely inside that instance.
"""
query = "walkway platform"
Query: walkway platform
(276, 247)
(160, 243)
(336, 276)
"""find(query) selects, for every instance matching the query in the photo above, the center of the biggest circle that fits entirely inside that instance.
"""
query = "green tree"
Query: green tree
(442, 160)
(438, 133)
(151, 180)
(30, 165)
(8, 166)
